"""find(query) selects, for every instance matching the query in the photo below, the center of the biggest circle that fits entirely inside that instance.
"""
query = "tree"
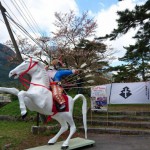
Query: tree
(72, 29)
(28, 49)
(73, 36)
(137, 55)
(125, 73)
(72, 42)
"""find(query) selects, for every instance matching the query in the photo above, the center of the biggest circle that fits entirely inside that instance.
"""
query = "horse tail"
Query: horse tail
(9, 90)
(84, 111)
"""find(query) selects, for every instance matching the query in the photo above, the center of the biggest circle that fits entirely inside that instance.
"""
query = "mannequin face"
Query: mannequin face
(57, 66)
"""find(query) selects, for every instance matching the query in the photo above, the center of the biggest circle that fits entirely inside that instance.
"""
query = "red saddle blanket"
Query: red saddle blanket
(54, 108)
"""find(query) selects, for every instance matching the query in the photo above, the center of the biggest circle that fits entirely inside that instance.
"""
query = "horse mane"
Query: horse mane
(45, 75)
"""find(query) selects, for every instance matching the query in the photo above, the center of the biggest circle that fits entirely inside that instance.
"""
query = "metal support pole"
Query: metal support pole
(3, 10)
(37, 121)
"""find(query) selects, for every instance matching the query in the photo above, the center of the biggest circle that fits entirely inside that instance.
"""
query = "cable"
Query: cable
(19, 40)
(24, 30)
(2, 21)
(28, 21)
(28, 55)
(17, 35)
(24, 17)
(11, 11)
(20, 26)
(30, 15)
(32, 19)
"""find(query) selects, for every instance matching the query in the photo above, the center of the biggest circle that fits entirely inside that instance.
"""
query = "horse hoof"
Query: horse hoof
(64, 147)
(24, 116)
(51, 143)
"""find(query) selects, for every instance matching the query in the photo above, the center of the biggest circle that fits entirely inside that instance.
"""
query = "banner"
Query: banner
(130, 93)
(98, 98)
(147, 90)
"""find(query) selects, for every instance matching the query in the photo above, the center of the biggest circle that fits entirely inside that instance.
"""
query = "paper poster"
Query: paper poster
(98, 98)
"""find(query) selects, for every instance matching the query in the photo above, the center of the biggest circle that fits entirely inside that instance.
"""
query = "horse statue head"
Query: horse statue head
(35, 69)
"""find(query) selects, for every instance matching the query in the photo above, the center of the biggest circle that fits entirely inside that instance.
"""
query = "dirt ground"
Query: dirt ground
(39, 140)
(102, 142)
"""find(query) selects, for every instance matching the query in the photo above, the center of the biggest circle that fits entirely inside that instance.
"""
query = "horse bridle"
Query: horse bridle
(24, 81)
(29, 68)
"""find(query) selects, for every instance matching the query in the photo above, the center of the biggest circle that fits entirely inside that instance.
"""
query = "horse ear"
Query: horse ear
(35, 60)
(39, 62)
(29, 59)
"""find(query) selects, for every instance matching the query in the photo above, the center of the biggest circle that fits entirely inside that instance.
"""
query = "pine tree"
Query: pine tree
(137, 55)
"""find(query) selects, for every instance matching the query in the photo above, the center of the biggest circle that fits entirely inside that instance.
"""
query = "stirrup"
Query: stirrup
(62, 107)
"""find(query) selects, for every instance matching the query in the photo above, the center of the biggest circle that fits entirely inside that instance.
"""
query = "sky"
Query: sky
(42, 11)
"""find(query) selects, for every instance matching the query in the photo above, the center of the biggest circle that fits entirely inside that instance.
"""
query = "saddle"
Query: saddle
(55, 110)
(55, 105)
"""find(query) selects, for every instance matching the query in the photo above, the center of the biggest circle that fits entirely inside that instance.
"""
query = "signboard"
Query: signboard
(130, 93)
(98, 98)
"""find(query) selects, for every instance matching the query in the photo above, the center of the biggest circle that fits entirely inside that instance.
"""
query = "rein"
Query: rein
(24, 81)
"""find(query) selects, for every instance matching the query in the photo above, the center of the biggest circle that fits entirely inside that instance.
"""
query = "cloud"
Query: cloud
(101, 4)
(42, 12)
(3, 33)
(106, 20)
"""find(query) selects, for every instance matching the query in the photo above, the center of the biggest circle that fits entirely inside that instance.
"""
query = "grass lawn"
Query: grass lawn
(129, 107)
(13, 133)
(17, 135)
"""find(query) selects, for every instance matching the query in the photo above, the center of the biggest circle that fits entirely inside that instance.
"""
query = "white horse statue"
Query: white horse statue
(38, 98)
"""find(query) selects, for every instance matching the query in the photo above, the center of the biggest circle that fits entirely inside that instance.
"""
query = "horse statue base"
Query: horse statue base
(73, 144)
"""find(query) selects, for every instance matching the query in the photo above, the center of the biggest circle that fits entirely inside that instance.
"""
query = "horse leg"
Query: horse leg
(70, 120)
(64, 127)
(9, 90)
(21, 96)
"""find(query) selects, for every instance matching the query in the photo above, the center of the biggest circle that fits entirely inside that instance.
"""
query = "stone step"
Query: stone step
(131, 124)
(6, 118)
(114, 130)
(5, 98)
(127, 113)
(120, 117)
(2, 104)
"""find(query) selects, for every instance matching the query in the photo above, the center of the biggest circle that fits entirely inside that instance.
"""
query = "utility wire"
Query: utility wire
(16, 28)
(15, 15)
(23, 16)
(30, 15)
(26, 34)
(11, 23)
(11, 11)
(25, 31)
(2, 20)
(27, 16)
(19, 39)
(15, 32)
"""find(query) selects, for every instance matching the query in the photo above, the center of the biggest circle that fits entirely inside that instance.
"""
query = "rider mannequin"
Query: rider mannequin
(55, 76)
